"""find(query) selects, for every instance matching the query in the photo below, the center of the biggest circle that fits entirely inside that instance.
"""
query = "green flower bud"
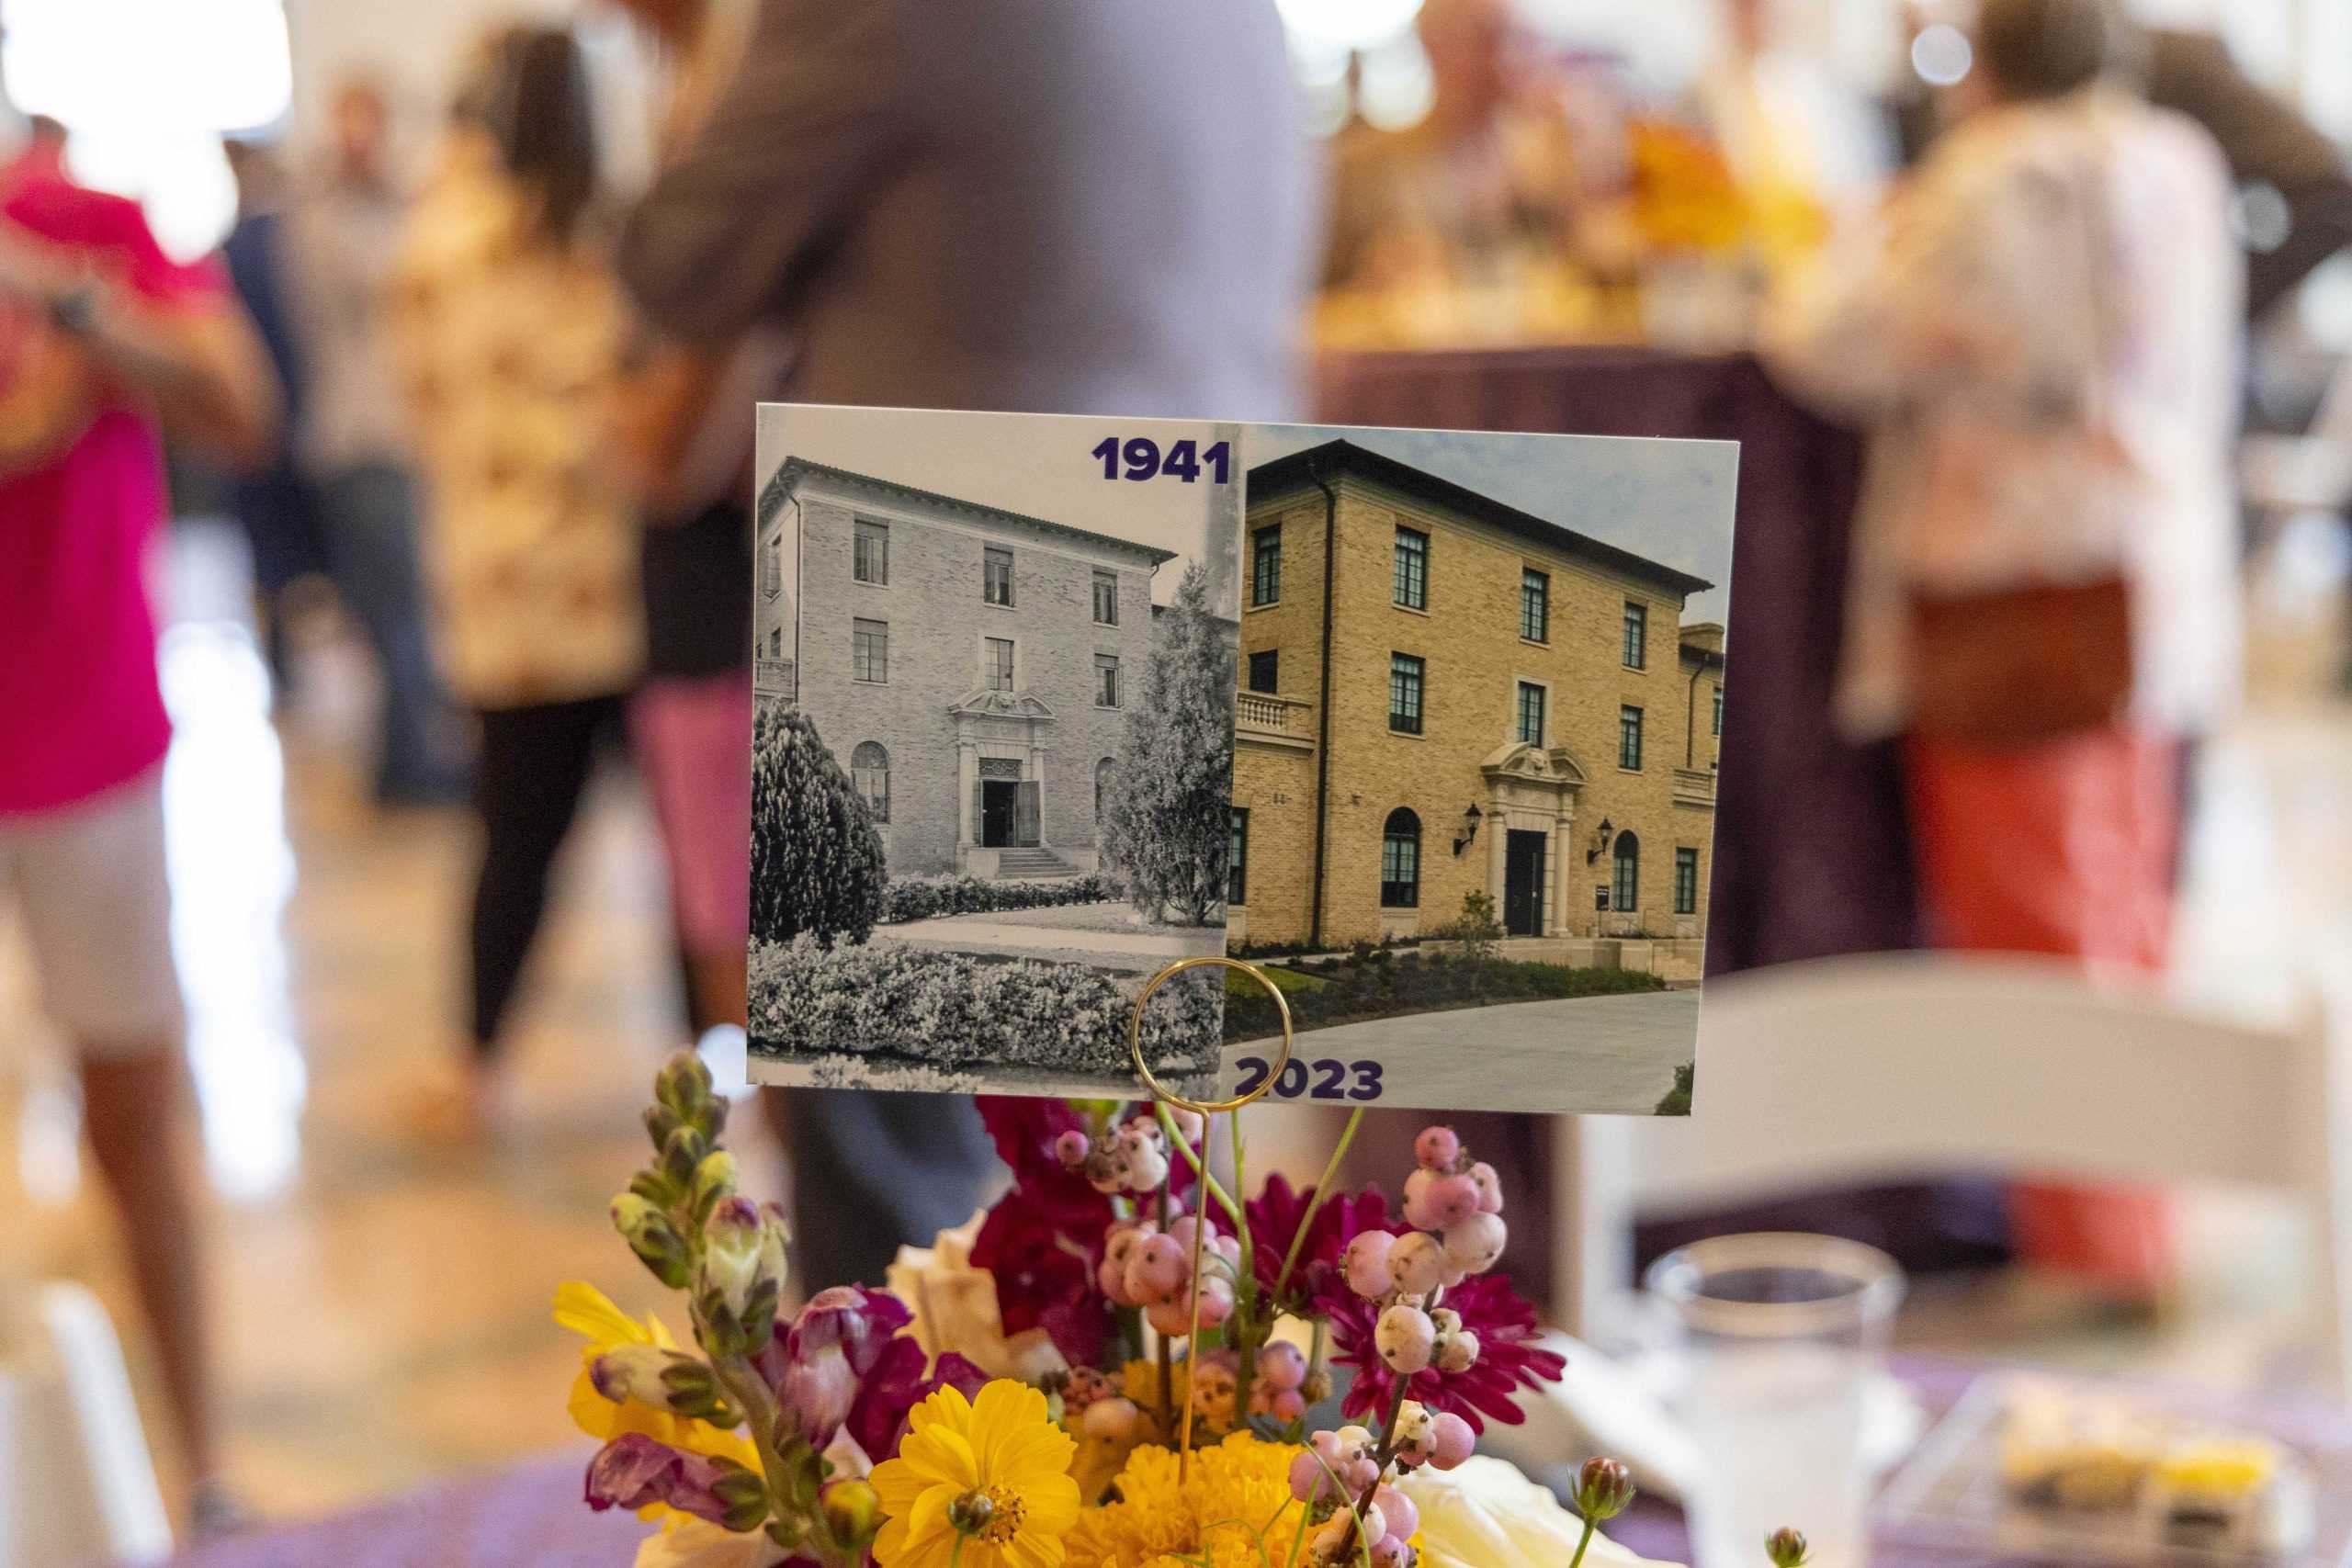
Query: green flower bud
(713, 1178)
(683, 1083)
(852, 1511)
(655, 1189)
(660, 1123)
(744, 1494)
(653, 1238)
(743, 1276)
(685, 1150)
(1604, 1487)
(1786, 1548)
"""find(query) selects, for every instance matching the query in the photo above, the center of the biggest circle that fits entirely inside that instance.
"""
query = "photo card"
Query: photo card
(1422, 723)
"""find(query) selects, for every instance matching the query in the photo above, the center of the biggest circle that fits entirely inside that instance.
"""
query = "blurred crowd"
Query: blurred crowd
(502, 412)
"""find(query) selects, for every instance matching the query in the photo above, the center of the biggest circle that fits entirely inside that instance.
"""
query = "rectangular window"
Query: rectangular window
(870, 555)
(1637, 636)
(997, 658)
(772, 569)
(1266, 670)
(870, 649)
(1412, 569)
(996, 576)
(1534, 605)
(1405, 682)
(1531, 713)
(1237, 860)
(1627, 881)
(1106, 598)
(1106, 680)
(1686, 881)
(1629, 739)
(1266, 566)
(1719, 710)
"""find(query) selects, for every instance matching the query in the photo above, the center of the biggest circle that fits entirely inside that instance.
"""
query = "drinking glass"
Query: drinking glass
(1772, 1342)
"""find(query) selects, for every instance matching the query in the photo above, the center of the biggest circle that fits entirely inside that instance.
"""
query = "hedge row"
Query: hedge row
(926, 898)
(1384, 986)
(947, 1008)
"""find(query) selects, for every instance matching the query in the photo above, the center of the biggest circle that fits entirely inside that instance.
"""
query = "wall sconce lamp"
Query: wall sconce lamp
(1600, 837)
(1469, 829)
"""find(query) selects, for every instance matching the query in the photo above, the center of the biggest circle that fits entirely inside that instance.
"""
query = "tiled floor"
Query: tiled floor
(383, 1303)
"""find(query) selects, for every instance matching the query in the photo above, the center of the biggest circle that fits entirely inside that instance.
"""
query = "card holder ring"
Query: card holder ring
(1207, 1107)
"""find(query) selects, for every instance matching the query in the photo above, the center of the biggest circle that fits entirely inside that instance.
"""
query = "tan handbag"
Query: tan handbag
(2001, 667)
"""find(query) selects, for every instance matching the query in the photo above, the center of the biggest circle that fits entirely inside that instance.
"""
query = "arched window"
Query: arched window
(1104, 771)
(869, 770)
(1628, 891)
(1400, 860)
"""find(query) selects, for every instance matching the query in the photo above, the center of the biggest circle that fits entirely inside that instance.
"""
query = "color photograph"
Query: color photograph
(1476, 754)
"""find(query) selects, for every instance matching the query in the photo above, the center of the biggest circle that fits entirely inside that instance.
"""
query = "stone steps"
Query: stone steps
(1029, 863)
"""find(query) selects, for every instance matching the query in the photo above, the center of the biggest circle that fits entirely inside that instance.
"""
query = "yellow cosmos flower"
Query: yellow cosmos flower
(589, 1313)
(978, 1484)
(1234, 1510)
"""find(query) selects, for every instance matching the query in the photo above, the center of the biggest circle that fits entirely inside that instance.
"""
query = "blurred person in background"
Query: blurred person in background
(1480, 188)
(274, 502)
(687, 427)
(106, 344)
(1050, 206)
(2042, 336)
(354, 446)
(510, 333)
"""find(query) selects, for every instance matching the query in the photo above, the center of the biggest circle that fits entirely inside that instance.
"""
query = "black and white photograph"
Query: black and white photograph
(993, 750)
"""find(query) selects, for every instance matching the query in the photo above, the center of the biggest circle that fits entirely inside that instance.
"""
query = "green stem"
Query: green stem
(1248, 1333)
(1322, 1192)
(1168, 1427)
(1168, 1124)
(1582, 1542)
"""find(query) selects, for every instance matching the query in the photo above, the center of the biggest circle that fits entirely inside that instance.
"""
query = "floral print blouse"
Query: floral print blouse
(511, 350)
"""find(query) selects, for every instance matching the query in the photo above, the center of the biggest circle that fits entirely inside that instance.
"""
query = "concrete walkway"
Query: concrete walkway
(1589, 1053)
(1139, 952)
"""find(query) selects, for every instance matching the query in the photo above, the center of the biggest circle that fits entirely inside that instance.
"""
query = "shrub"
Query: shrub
(1373, 986)
(955, 1009)
(816, 863)
(1676, 1101)
(1170, 813)
(926, 898)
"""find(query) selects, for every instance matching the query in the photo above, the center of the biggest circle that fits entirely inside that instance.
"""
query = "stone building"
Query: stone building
(1462, 698)
(968, 666)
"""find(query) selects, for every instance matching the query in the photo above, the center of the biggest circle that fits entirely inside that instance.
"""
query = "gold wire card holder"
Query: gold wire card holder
(1207, 1110)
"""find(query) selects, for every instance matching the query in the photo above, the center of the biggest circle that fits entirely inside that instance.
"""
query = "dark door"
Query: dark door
(1523, 883)
(997, 808)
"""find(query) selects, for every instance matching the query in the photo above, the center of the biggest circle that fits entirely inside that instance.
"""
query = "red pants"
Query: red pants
(2066, 848)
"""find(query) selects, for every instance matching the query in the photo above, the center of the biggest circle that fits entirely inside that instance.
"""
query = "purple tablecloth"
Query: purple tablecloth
(532, 1517)
(1811, 856)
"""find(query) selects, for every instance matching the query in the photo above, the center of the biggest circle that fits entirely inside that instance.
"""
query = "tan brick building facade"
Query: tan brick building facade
(1510, 707)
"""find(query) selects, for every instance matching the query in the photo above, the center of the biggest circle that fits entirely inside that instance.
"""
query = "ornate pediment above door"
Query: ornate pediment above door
(984, 703)
(1520, 764)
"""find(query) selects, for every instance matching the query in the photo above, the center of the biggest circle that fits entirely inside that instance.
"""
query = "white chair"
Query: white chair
(76, 1483)
(1871, 1068)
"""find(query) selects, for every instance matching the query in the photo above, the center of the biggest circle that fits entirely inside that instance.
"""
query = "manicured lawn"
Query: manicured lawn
(1237, 984)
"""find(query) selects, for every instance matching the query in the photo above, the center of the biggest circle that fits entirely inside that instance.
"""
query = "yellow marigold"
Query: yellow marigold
(1235, 1510)
(978, 1484)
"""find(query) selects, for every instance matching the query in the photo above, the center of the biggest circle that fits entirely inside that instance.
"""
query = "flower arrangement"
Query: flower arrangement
(1148, 1354)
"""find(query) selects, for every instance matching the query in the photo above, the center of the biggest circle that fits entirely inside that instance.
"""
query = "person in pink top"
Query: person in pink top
(106, 343)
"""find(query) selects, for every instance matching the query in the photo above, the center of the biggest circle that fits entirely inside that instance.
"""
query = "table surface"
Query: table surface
(531, 1516)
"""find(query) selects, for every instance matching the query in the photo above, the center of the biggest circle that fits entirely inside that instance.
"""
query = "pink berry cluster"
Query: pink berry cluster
(1341, 1479)
(1455, 1207)
(1129, 1157)
(1102, 1410)
(1145, 1267)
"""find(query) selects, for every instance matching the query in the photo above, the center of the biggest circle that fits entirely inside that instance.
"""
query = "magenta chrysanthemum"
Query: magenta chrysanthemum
(1315, 1283)
(1508, 1357)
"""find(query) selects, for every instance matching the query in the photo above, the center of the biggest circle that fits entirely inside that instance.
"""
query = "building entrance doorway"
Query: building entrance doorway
(1523, 883)
(1008, 813)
